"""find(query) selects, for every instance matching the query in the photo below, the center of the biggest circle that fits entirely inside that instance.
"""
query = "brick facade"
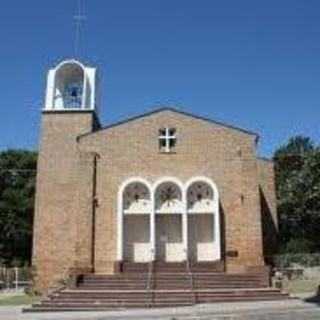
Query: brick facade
(79, 177)
(268, 204)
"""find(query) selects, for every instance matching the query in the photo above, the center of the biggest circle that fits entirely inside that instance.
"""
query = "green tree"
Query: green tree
(17, 187)
(297, 166)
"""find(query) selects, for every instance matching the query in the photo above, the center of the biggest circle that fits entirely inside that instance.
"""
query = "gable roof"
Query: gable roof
(171, 109)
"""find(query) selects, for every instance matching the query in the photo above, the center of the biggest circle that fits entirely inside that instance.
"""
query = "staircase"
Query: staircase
(170, 287)
(173, 267)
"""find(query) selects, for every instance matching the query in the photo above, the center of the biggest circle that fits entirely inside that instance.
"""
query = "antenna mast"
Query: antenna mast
(79, 19)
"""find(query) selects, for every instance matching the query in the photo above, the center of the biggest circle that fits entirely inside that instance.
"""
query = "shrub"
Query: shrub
(297, 246)
(302, 259)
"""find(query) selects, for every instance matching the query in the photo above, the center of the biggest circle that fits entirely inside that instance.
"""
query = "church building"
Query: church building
(165, 190)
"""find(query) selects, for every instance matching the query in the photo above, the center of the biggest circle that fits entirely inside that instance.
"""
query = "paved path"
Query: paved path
(282, 310)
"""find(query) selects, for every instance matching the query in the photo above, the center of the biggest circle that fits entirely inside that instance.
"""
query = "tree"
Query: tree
(17, 188)
(297, 166)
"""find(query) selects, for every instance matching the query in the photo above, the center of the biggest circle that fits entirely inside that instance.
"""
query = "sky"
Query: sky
(252, 64)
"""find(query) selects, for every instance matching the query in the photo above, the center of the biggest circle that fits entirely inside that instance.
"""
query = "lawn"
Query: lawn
(302, 286)
(17, 300)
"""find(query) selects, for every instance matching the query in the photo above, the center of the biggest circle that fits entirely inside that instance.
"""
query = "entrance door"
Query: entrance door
(201, 246)
(169, 243)
(136, 238)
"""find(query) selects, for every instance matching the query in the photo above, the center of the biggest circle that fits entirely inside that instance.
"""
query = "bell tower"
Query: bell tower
(70, 109)
(71, 86)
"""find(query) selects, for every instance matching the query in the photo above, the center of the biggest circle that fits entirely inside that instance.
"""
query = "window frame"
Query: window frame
(167, 139)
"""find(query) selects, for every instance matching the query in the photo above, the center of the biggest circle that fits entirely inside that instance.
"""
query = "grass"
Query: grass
(302, 286)
(18, 300)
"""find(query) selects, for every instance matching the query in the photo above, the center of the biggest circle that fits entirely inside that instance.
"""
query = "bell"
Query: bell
(74, 93)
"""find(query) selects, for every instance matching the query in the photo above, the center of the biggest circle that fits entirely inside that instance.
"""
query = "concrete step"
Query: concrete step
(174, 267)
(89, 305)
(105, 307)
(170, 275)
(170, 287)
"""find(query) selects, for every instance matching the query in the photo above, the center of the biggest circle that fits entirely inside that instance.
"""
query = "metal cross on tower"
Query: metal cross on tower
(79, 18)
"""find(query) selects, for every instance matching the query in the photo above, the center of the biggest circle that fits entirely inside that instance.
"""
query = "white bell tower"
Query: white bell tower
(71, 86)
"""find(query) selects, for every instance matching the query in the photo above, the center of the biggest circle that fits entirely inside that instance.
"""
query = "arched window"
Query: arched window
(200, 198)
(136, 198)
(168, 198)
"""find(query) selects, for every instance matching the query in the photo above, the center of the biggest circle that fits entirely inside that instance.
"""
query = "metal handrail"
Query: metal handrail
(149, 279)
(191, 278)
(149, 275)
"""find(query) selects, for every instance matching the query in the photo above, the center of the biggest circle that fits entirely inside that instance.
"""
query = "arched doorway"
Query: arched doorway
(203, 220)
(169, 210)
(169, 221)
(136, 211)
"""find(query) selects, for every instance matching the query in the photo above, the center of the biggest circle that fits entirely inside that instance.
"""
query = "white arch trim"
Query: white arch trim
(59, 68)
(89, 86)
(129, 181)
(193, 180)
(152, 188)
(163, 180)
(120, 210)
(70, 61)
(158, 183)
(208, 181)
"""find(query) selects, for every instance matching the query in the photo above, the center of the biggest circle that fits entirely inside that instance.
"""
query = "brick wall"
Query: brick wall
(225, 155)
(57, 195)
(65, 230)
(268, 202)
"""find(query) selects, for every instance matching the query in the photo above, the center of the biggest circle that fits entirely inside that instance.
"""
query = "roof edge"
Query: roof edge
(158, 110)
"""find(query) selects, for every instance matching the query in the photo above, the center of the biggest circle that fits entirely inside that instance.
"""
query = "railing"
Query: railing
(149, 279)
(191, 279)
(14, 278)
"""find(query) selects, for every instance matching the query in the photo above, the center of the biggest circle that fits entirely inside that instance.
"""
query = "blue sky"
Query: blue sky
(253, 64)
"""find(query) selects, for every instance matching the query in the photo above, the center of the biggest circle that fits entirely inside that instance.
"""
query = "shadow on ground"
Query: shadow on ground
(315, 299)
